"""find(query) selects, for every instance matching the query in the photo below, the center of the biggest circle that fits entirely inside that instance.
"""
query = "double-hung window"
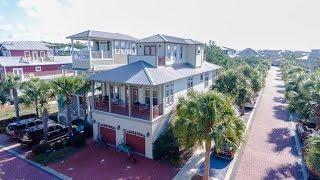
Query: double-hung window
(133, 48)
(190, 84)
(123, 47)
(181, 52)
(175, 52)
(169, 52)
(199, 50)
(27, 54)
(169, 94)
(201, 77)
(115, 92)
(128, 47)
(117, 47)
(206, 80)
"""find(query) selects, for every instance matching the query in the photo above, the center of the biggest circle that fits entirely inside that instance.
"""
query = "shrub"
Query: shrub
(78, 140)
(2, 130)
(167, 147)
(88, 131)
(49, 158)
(41, 148)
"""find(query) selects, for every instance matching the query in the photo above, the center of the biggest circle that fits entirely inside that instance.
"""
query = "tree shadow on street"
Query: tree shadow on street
(280, 112)
(282, 139)
(279, 99)
(283, 172)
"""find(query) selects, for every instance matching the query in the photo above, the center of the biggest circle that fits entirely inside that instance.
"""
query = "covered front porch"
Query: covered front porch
(142, 102)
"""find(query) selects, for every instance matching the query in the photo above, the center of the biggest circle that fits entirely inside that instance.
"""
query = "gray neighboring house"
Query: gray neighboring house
(314, 60)
(247, 53)
(228, 51)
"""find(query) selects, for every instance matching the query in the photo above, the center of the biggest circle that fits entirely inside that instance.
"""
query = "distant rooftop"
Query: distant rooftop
(20, 61)
(169, 39)
(24, 45)
(101, 35)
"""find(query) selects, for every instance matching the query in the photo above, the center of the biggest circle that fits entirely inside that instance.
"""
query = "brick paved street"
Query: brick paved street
(12, 167)
(270, 151)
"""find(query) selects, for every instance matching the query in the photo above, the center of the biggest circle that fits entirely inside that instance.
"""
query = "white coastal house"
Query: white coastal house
(135, 102)
(104, 51)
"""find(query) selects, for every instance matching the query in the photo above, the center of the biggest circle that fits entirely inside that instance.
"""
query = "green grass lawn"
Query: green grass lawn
(9, 112)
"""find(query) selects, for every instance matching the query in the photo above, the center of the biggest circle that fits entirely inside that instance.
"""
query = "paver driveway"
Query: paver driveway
(270, 151)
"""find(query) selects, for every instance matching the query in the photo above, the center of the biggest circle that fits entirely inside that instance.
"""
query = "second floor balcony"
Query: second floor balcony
(95, 55)
(129, 101)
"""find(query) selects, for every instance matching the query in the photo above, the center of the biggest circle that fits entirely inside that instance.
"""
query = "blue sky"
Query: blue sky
(260, 24)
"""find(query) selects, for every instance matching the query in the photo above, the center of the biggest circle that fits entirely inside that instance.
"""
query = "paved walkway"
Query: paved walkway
(270, 150)
(12, 167)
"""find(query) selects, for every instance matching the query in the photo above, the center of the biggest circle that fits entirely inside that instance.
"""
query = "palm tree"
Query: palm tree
(68, 86)
(244, 95)
(206, 118)
(85, 88)
(31, 93)
(313, 154)
(46, 94)
(12, 83)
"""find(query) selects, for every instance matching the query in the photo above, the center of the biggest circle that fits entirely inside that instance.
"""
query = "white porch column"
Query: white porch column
(151, 104)
(109, 96)
(89, 49)
(129, 100)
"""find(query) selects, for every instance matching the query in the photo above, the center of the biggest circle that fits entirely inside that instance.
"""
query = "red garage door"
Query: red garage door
(136, 140)
(108, 133)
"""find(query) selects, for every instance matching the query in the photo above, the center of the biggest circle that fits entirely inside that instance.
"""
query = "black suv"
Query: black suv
(13, 129)
(35, 134)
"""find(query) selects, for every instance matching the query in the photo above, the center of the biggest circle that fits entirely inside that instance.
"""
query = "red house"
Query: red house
(29, 59)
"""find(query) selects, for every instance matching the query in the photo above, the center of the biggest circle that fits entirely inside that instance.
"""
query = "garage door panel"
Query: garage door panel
(137, 142)
(108, 134)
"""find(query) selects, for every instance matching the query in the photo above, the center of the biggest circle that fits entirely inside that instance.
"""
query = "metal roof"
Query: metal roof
(170, 39)
(24, 45)
(142, 73)
(101, 35)
(20, 61)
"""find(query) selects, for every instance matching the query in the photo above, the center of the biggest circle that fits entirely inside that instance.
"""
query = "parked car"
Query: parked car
(226, 152)
(35, 135)
(304, 131)
(14, 128)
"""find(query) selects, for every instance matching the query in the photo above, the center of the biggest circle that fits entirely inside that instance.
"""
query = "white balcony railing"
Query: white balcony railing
(95, 55)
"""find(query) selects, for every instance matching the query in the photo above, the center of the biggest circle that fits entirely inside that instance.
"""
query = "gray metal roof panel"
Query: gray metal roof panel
(170, 39)
(24, 45)
(19, 61)
(143, 73)
(102, 35)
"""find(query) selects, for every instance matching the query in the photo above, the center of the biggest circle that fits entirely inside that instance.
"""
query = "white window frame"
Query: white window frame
(133, 48)
(117, 47)
(190, 84)
(169, 94)
(34, 57)
(27, 56)
(123, 47)
(169, 52)
(206, 80)
(198, 50)
(175, 52)
(18, 69)
(128, 48)
(38, 68)
(42, 54)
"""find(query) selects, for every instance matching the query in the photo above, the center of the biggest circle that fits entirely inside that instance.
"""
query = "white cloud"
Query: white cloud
(239, 24)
